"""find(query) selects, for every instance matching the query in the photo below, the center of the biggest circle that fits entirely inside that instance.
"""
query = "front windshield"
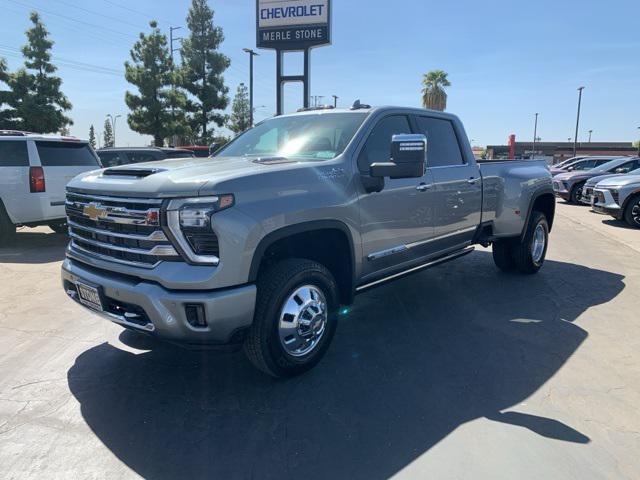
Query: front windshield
(320, 136)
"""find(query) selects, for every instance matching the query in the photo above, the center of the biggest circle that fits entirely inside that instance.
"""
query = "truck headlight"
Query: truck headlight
(190, 224)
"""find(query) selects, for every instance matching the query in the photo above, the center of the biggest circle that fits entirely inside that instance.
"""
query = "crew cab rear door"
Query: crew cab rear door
(457, 182)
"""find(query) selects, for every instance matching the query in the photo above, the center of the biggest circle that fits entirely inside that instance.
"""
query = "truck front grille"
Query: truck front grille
(123, 230)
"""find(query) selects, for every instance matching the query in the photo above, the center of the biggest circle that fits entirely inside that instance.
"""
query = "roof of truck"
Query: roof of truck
(22, 135)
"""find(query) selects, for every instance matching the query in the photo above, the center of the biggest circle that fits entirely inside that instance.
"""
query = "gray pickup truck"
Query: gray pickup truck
(263, 244)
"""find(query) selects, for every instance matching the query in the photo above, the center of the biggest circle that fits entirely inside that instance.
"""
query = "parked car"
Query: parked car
(262, 244)
(589, 186)
(114, 156)
(620, 198)
(584, 163)
(34, 170)
(569, 185)
(200, 151)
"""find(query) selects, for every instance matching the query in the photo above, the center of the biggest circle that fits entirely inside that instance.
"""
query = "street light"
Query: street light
(590, 132)
(575, 138)
(113, 126)
(639, 144)
(535, 134)
(251, 55)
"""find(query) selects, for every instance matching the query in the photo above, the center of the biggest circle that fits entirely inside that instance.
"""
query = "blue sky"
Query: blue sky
(506, 60)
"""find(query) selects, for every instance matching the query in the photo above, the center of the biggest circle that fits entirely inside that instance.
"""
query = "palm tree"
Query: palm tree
(433, 94)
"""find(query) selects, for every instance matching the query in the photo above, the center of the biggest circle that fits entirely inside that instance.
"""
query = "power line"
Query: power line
(101, 27)
(100, 14)
(129, 9)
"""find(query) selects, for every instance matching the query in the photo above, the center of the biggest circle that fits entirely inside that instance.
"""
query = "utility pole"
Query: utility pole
(335, 101)
(590, 132)
(113, 126)
(251, 55)
(535, 135)
(639, 143)
(174, 140)
(575, 138)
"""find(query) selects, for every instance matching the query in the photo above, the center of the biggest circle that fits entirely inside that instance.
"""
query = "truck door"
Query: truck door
(458, 185)
(397, 222)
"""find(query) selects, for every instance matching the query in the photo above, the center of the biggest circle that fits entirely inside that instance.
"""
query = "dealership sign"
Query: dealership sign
(293, 24)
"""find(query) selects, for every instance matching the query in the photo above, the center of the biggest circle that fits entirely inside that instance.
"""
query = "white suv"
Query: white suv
(34, 170)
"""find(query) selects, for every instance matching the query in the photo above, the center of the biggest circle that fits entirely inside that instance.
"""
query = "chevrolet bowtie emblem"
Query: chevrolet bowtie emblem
(94, 211)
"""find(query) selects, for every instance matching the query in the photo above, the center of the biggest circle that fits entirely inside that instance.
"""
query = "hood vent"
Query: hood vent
(272, 160)
(132, 172)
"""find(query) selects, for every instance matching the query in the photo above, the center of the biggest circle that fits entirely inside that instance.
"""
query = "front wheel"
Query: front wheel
(295, 317)
(529, 254)
(632, 212)
(576, 193)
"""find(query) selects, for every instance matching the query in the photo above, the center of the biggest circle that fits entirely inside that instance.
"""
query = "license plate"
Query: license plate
(89, 296)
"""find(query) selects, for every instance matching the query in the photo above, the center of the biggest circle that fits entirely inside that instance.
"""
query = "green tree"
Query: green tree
(240, 119)
(6, 120)
(36, 103)
(157, 109)
(203, 67)
(92, 137)
(107, 134)
(433, 93)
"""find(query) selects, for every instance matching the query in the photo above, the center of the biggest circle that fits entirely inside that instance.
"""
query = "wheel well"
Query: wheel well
(629, 199)
(545, 203)
(330, 247)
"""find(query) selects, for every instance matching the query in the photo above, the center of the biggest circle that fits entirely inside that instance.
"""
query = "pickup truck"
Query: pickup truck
(264, 244)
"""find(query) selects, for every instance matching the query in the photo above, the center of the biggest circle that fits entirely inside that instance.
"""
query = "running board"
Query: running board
(404, 273)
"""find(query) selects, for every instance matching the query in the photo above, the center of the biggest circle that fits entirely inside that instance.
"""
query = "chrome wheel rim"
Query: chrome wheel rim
(303, 320)
(538, 244)
(635, 213)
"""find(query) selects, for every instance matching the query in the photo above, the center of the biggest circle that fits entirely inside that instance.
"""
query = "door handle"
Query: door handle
(472, 181)
(423, 187)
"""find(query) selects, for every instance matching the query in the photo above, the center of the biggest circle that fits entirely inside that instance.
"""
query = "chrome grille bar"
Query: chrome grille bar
(157, 251)
(155, 236)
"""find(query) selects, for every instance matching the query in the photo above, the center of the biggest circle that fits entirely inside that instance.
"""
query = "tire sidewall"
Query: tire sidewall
(283, 361)
(539, 219)
(627, 211)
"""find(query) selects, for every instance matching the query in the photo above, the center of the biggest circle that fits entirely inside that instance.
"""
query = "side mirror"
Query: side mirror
(621, 170)
(570, 169)
(408, 158)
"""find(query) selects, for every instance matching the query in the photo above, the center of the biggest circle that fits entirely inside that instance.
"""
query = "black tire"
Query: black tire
(632, 212)
(522, 252)
(7, 229)
(576, 193)
(59, 227)
(276, 284)
(503, 255)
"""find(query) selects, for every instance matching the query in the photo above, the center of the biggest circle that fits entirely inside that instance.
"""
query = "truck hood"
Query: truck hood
(620, 181)
(172, 178)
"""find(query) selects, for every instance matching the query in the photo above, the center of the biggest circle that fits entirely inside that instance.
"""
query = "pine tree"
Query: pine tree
(158, 108)
(36, 101)
(92, 137)
(202, 68)
(107, 134)
(6, 115)
(240, 119)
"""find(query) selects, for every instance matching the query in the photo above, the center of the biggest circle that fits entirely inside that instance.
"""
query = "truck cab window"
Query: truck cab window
(442, 142)
(378, 145)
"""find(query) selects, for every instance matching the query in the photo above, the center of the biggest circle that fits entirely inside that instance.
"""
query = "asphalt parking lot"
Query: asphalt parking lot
(457, 372)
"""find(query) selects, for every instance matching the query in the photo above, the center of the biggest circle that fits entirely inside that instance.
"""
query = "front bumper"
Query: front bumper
(148, 307)
(603, 202)
(560, 190)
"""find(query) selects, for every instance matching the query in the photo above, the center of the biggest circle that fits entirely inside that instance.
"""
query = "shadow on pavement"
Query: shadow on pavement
(33, 247)
(619, 224)
(410, 363)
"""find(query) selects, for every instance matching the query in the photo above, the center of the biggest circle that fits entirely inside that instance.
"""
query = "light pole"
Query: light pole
(535, 134)
(590, 132)
(335, 101)
(251, 55)
(639, 144)
(113, 126)
(575, 138)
